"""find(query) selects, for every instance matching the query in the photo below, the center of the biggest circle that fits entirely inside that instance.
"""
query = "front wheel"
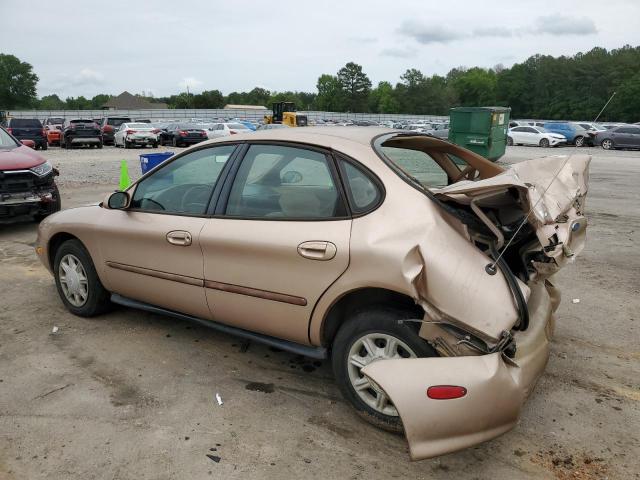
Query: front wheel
(607, 144)
(510, 141)
(544, 143)
(579, 141)
(371, 335)
(77, 282)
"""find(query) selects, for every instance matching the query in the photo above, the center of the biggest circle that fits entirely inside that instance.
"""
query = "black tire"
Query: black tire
(99, 145)
(98, 299)
(174, 142)
(44, 146)
(510, 141)
(579, 141)
(372, 320)
(154, 145)
(607, 144)
(127, 144)
(544, 143)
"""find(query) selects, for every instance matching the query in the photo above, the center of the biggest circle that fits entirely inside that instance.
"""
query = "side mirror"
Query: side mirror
(118, 200)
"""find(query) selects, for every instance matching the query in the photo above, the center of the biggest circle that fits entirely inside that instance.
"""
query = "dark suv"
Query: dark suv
(79, 131)
(110, 126)
(28, 129)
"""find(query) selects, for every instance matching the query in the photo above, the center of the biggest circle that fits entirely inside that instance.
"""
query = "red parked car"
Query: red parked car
(27, 181)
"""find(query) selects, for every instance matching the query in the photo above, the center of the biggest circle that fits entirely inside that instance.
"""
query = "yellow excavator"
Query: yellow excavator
(285, 113)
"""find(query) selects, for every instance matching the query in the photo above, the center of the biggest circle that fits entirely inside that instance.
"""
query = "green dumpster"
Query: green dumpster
(482, 130)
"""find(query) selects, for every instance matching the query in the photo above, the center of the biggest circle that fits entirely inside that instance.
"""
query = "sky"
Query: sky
(85, 47)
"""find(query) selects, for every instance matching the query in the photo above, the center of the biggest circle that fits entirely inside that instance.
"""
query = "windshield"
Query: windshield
(25, 123)
(6, 141)
(116, 122)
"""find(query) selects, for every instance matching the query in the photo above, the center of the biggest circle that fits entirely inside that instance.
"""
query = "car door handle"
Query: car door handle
(317, 250)
(179, 237)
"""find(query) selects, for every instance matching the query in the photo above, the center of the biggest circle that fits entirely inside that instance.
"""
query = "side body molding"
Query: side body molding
(435, 427)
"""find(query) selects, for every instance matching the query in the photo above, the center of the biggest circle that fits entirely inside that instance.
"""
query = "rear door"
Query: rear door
(279, 239)
(517, 133)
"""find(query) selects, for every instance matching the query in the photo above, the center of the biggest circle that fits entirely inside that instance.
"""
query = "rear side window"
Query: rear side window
(362, 190)
(25, 123)
(278, 182)
(417, 165)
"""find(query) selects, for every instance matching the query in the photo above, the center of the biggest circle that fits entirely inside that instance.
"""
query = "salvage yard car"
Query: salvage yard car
(534, 136)
(109, 126)
(626, 136)
(28, 129)
(423, 270)
(132, 134)
(27, 181)
(79, 131)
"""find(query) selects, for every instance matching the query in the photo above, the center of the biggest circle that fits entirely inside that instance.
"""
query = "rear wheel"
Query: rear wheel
(77, 282)
(371, 335)
(579, 141)
(174, 142)
(607, 144)
(45, 146)
(99, 145)
(544, 143)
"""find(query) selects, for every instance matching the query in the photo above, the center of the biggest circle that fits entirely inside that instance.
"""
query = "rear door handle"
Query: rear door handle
(317, 250)
(179, 238)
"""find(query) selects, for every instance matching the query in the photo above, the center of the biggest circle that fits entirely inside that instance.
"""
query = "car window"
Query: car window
(628, 130)
(116, 122)
(518, 129)
(25, 123)
(275, 181)
(6, 141)
(362, 190)
(185, 185)
(418, 165)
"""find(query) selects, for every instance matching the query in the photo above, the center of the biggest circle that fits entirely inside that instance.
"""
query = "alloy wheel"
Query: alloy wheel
(73, 280)
(369, 348)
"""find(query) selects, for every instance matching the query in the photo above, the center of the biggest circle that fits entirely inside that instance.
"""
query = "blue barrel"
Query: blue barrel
(149, 161)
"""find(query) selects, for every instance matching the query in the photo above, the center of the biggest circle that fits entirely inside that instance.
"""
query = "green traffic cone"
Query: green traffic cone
(125, 181)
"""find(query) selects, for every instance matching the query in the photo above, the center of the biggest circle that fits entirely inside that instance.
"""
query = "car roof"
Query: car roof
(327, 136)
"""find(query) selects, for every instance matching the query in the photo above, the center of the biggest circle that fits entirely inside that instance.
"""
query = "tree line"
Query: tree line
(566, 87)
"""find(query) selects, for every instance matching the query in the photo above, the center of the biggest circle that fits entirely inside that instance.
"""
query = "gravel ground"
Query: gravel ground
(130, 395)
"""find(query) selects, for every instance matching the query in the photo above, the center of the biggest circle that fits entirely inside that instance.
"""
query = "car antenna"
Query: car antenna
(490, 268)
(605, 106)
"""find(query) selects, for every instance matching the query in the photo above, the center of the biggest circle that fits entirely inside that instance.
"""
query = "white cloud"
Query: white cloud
(428, 33)
(563, 25)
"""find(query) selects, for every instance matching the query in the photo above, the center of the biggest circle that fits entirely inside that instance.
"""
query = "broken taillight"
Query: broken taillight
(445, 392)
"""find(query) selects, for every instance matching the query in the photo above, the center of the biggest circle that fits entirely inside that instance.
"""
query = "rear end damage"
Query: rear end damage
(488, 299)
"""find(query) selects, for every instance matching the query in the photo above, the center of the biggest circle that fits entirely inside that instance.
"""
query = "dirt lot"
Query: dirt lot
(132, 395)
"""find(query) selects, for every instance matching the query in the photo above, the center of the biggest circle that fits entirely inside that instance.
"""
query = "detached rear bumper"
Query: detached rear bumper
(496, 388)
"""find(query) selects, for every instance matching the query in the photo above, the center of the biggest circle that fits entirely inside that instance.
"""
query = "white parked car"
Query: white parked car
(534, 136)
(218, 130)
(131, 134)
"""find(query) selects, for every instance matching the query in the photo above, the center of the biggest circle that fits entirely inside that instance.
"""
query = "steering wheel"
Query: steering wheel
(204, 189)
(467, 172)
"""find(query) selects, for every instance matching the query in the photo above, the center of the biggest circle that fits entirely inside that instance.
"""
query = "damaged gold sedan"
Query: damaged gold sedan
(421, 269)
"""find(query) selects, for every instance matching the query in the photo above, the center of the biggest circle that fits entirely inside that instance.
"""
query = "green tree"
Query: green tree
(383, 100)
(99, 100)
(17, 83)
(355, 87)
(475, 87)
(330, 95)
(209, 99)
(51, 102)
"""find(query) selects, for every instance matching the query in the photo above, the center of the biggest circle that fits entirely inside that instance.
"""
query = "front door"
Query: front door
(151, 250)
(279, 240)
